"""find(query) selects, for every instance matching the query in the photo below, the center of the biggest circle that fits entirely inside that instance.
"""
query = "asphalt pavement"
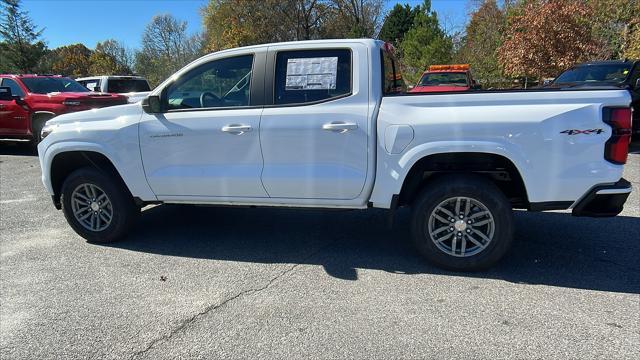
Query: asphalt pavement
(203, 283)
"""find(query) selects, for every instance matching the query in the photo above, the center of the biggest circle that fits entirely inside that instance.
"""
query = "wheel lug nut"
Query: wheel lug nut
(461, 216)
(451, 229)
(468, 230)
(459, 234)
(469, 221)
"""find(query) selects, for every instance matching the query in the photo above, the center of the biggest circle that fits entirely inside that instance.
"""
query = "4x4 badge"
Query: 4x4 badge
(587, 132)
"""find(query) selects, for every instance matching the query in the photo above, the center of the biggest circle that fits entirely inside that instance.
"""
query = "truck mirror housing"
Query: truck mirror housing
(152, 104)
(5, 94)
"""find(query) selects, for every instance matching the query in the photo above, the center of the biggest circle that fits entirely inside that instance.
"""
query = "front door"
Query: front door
(314, 136)
(14, 118)
(206, 144)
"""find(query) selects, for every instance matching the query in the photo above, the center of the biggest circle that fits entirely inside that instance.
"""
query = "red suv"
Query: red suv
(28, 101)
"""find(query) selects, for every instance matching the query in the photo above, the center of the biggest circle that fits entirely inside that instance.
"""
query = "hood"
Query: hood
(102, 114)
(420, 89)
(90, 97)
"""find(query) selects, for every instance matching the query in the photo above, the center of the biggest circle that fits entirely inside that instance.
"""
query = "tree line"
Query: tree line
(512, 40)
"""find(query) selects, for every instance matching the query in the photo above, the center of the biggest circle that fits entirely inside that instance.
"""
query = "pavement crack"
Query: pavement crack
(187, 322)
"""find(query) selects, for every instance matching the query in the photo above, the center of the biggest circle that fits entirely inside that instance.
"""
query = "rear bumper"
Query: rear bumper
(603, 200)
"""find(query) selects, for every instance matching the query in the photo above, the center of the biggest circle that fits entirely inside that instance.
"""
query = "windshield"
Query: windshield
(45, 85)
(595, 73)
(443, 79)
(119, 86)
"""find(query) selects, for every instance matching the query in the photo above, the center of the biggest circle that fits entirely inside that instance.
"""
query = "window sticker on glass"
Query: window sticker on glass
(312, 73)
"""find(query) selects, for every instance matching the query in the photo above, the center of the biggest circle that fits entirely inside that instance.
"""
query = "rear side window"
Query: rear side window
(308, 76)
(15, 88)
(392, 82)
(119, 86)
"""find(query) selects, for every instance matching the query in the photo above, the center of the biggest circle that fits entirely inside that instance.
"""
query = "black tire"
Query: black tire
(476, 188)
(124, 210)
(37, 123)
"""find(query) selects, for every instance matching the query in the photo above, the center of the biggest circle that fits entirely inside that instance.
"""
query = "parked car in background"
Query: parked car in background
(445, 78)
(28, 101)
(328, 125)
(616, 73)
(135, 88)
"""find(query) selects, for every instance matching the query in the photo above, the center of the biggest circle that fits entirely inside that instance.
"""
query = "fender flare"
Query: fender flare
(391, 179)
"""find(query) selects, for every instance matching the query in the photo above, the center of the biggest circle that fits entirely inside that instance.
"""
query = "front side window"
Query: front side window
(46, 85)
(312, 75)
(218, 83)
(15, 88)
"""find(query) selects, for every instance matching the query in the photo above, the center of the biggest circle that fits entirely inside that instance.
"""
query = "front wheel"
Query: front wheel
(462, 223)
(97, 205)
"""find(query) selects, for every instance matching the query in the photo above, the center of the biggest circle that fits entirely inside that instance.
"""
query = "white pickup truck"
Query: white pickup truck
(326, 124)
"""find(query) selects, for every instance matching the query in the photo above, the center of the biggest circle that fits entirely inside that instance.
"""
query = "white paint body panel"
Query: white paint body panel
(304, 161)
(187, 153)
(288, 160)
(524, 127)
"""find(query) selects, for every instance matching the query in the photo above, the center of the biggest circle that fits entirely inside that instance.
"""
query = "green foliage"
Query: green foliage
(397, 23)
(480, 44)
(613, 23)
(233, 23)
(166, 47)
(71, 60)
(21, 47)
(425, 43)
(111, 58)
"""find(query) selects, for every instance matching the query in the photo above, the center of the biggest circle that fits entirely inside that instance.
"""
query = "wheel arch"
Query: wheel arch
(65, 162)
(498, 168)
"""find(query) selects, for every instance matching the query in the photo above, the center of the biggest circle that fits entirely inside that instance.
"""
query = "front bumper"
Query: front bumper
(603, 200)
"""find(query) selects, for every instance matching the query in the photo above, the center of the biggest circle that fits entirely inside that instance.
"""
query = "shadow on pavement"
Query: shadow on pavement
(16, 148)
(553, 249)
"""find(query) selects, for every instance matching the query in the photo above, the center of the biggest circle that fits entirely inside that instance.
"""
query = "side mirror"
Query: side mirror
(152, 104)
(5, 94)
(547, 82)
(638, 84)
(476, 86)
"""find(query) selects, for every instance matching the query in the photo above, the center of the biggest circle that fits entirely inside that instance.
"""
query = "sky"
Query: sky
(90, 21)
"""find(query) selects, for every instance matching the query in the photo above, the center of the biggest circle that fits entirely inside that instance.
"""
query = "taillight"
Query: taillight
(617, 147)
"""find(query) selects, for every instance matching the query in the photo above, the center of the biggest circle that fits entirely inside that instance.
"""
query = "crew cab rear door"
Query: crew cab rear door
(314, 129)
(206, 143)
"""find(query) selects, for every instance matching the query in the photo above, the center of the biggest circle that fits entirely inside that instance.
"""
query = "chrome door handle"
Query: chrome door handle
(236, 129)
(339, 126)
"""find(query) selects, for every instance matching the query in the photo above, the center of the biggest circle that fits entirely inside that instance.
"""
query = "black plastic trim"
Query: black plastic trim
(603, 205)
(550, 205)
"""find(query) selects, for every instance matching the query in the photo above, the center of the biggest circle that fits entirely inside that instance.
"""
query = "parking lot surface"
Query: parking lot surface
(203, 282)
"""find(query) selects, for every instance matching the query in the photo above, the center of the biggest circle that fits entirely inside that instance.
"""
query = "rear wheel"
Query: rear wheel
(462, 222)
(97, 205)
